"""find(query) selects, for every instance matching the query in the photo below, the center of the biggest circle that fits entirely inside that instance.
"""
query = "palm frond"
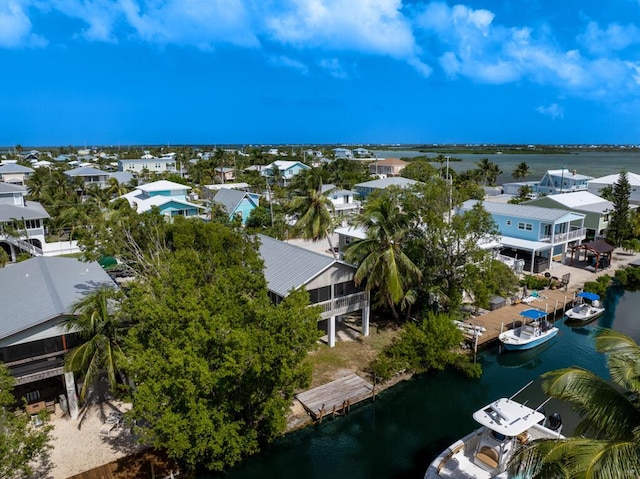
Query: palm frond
(623, 357)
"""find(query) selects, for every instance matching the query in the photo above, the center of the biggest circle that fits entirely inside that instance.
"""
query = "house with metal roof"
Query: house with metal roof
(596, 185)
(539, 235)
(596, 209)
(368, 187)
(286, 171)
(387, 166)
(36, 297)
(169, 197)
(329, 282)
(344, 201)
(562, 181)
(21, 221)
(237, 204)
(15, 173)
(90, 176)
(148, 163)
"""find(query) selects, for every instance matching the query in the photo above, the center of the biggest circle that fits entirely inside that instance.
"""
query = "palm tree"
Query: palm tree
(608, 437)
(100, 325)
(488, 171)
(382, 264)
(315, 222)
(521, 171)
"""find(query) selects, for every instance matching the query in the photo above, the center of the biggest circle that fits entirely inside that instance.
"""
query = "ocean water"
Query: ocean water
(594, 164)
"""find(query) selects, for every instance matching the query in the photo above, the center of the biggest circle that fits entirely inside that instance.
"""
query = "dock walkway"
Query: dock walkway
(335, 397)
(552, 301)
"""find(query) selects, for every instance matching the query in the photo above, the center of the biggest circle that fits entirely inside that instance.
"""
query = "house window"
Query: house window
(320, 294)
(525, 226)
(508, 222)
(344, 289)
(32, 224)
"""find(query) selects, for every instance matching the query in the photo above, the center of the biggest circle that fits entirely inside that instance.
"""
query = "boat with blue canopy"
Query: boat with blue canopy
(530, 334)
(588, 307)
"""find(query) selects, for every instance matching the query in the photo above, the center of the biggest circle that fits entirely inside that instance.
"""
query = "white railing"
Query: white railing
(24, 245)
(559, 238)
(343, 305)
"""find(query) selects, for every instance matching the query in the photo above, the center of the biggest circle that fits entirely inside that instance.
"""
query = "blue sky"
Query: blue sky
(120, 72)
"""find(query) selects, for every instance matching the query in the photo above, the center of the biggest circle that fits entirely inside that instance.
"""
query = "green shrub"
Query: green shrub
(534, 282)
(599, 286)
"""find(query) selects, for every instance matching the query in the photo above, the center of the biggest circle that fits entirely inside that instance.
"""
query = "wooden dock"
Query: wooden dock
(552, 301)
(335, 397)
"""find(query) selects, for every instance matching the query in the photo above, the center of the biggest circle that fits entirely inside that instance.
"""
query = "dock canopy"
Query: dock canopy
(589, 296)
(533, 314)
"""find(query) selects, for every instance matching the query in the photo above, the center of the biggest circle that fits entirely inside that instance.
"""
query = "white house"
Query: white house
(90, 176)
(15, 173)
(344, 201)
(169, 197)
(597, 184)
(152, 164)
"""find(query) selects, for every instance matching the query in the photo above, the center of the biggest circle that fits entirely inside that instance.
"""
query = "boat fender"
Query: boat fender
(555, 421)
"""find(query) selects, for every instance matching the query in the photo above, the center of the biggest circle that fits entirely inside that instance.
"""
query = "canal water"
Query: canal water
(408, 425)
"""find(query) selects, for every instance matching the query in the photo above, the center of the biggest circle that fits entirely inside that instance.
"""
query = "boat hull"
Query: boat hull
(513, 344)
(584, 316)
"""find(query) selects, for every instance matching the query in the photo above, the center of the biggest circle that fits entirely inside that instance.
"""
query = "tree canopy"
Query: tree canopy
(620, 226)
(214, 362)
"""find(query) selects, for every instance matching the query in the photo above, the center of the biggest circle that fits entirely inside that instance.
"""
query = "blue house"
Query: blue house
(539, 235)
(562, 181)
(237, 203)
(169, 197)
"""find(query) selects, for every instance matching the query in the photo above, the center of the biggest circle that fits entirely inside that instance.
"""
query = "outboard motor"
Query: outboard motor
(555, 422)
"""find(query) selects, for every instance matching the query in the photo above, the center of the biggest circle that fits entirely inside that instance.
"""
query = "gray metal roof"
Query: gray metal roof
(42, 288)
(11, 188)
(288, 267)
(520, 211)
(32, 211)
(229, 199)
(86, 171)
(386, 182)
(122, 177)
(15, 168)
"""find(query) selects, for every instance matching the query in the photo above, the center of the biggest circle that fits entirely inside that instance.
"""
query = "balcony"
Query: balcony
(560, 238)
(343, 305)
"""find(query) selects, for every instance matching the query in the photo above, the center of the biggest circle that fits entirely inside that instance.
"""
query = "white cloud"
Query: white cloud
(100, 16)
(553, 110)
(15, 26)
(287, 62)
(614, 38)
(334, 67)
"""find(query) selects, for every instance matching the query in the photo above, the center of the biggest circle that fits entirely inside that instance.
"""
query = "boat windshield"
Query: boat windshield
(498, 436)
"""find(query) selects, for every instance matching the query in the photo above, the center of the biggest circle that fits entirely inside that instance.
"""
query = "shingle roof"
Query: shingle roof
(520, 211)
(288, 267)
(44, 288)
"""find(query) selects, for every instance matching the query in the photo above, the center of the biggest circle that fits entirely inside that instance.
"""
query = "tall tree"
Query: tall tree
(314, 210)
(620, 227)
(607, 439)
(23, 446)
(101, 327)
(488, 172)
(383, 267)
(215, 363)
(521, 171)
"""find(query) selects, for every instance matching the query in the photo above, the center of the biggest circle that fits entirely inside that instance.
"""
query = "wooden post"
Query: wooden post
(321, 413)
(556, 308)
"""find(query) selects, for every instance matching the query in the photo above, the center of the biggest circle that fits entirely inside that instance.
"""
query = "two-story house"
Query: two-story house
(596, 185)
(387, 167)
(344, 201)
(36, 297)
(562, 181)
(15, 173)
(368, 187)
(329, 282)
(90, 176)
(596, 209)
(169, 197)
(539, 235)
(283, 171)
(150, 164)
(21, 222)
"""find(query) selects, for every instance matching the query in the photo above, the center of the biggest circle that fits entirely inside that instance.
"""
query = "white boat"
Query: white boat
(589, 307)
(506, 425)
(529, 335)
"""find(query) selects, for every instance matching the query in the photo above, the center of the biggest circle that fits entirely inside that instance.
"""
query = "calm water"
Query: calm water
(407, 426)
(587, 163)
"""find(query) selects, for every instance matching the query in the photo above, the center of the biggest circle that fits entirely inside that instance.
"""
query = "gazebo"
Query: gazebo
(599, 248)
